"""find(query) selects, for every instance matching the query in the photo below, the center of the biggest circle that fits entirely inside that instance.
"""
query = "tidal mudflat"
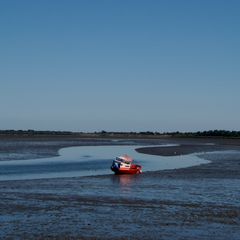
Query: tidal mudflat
(198, 202)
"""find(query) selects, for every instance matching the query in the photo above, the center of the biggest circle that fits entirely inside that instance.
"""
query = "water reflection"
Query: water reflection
(125, 182)
(89, 161)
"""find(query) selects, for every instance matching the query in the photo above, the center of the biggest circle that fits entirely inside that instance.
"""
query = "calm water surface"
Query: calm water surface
(89, 161)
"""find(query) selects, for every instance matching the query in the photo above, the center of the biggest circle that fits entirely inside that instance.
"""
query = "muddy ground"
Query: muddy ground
(201, 202)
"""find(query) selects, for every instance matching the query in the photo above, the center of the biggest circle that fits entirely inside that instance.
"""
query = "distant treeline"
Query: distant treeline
(210, 133)
(33, 132)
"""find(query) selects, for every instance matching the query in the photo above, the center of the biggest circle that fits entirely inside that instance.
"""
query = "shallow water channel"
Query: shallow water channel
(89, 161)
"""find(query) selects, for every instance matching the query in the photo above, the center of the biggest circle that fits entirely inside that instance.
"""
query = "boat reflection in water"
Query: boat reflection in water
(126, 183)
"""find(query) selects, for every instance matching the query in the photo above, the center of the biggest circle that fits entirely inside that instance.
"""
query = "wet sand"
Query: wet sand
(201, 202)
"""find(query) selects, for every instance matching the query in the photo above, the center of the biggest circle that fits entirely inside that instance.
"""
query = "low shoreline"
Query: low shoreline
(30, 148)
(34, 148)
(221, 165)
(49, 146)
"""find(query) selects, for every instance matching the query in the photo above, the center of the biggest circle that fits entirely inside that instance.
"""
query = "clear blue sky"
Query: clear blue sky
(128, 65)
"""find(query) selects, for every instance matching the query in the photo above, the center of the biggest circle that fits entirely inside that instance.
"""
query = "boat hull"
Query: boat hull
(134, 169)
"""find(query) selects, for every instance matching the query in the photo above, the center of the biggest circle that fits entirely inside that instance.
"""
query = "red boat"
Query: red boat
(124, 165)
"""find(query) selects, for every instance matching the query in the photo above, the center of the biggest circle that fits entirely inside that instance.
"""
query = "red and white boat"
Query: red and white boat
(124, 165)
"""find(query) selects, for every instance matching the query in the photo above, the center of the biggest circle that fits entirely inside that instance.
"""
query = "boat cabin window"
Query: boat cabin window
(122, 160)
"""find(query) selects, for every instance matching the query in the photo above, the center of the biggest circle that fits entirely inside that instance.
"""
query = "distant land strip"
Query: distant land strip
(148, 134)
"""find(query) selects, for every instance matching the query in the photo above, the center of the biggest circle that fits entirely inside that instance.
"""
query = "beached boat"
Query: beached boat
(124, 165)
